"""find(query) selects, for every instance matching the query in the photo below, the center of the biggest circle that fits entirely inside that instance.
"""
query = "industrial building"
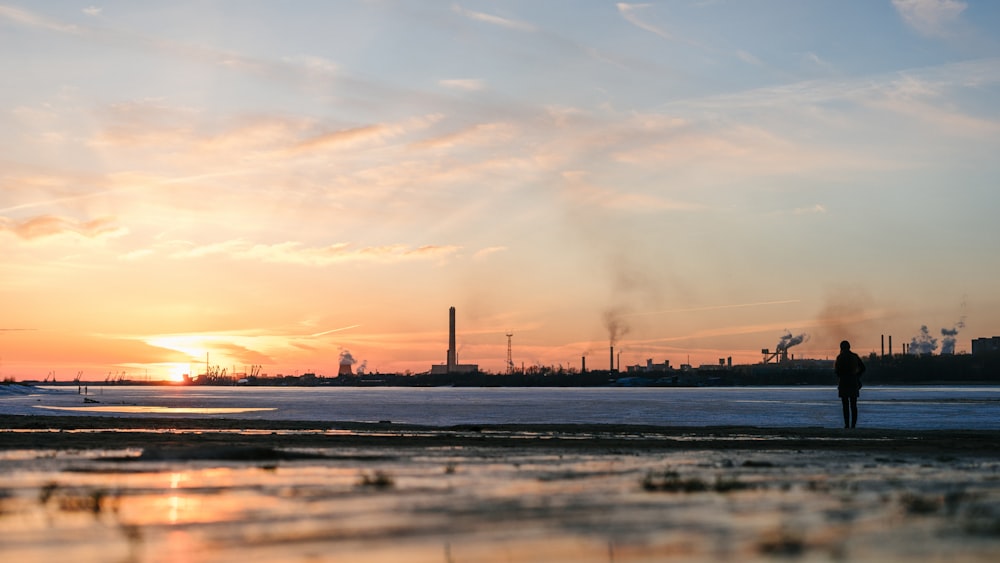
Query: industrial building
(985, 345)
(451, 365)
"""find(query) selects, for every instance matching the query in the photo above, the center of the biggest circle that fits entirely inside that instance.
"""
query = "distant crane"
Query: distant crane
(510, 357)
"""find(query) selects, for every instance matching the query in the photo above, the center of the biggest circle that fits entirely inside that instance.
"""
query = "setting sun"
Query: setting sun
(176, 372)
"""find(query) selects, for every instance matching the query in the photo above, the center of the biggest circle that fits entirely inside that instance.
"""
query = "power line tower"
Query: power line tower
(510, 357)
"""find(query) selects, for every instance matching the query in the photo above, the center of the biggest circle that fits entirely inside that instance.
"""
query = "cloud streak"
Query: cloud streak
(465, 84)
(46, 226)
(932, 18)
(491, 19)
(294, 252)
(631, 13)
(34, 20)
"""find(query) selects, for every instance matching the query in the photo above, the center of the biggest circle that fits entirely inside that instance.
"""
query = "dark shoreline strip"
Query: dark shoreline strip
(56, 433)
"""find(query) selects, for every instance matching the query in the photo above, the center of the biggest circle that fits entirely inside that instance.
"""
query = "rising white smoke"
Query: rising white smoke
(787, 341)
(346, 359)
(923, 344)
(948, 337)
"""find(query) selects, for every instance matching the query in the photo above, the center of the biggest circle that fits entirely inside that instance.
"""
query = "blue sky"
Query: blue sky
(233, 177)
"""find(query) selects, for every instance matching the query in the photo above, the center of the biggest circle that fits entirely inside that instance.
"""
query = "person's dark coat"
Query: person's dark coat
(849, 368)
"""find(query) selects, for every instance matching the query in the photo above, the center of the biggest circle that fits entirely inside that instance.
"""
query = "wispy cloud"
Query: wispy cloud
(375, 132)
(243, 346)
(631, 13)
(748, 58)
(31, 19)
(913, 93)
(485, 252)
(331, 331)
(306, 71)
(818, 62)
(44, 226)
(494, 20)
(813, 210)
(930, 17)
(294, 252)
(974, 72)
(467, 84)
(342, 137)
(580, 192)
(919, 96)
(718, 307)
(475, 135)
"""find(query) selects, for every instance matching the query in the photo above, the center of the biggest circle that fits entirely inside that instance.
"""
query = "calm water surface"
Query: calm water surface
(931, 407)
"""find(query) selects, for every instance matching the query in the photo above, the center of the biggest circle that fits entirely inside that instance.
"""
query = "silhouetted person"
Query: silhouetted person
(849, 368)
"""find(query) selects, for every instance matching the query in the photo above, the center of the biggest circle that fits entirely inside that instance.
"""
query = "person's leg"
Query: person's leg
(847, 411)
(854, 412)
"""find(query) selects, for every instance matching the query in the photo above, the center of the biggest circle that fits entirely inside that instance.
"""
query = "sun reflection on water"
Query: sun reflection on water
(498, 504)
(147, 409)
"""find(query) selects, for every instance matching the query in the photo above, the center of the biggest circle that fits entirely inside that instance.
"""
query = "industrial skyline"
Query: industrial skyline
(278, 184)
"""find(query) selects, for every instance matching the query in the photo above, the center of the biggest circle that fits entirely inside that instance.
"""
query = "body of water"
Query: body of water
(500, 504)
(923, 407)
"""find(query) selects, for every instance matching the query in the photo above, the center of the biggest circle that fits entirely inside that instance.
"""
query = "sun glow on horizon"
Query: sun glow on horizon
(177, 371)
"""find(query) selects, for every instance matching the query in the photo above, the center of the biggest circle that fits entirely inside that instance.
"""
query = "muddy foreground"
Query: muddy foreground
(91, 432)
(142, 489)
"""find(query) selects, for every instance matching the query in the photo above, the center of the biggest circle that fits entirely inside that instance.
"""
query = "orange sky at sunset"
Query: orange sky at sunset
(277, 184)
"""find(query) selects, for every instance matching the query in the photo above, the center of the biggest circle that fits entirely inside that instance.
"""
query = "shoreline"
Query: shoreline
(39, 432)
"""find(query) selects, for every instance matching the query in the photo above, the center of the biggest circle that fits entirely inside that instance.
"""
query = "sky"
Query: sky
(283, 184)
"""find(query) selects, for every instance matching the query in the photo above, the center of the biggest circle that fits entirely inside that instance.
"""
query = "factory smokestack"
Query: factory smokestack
(451, 338)
(612, 368)
(583, 364)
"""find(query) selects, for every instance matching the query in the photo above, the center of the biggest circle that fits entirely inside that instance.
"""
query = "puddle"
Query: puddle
(499, 504)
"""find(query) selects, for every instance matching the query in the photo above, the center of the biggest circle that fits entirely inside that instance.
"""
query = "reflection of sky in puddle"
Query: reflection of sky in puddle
(501, 504)
(133, 409)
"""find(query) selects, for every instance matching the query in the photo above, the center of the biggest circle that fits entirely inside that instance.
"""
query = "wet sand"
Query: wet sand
(213, 489)
(76, 432)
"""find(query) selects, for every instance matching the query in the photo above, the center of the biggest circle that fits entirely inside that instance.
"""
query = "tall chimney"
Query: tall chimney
(890, 345)
(612, 368)
(451, 338)
(883, 345)
(583, 364)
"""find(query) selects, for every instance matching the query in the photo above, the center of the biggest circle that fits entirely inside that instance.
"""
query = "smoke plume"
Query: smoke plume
(614, 321)
(923, 344)
(346, 359)
(948, 337)
(787, 341)
(846, 315)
